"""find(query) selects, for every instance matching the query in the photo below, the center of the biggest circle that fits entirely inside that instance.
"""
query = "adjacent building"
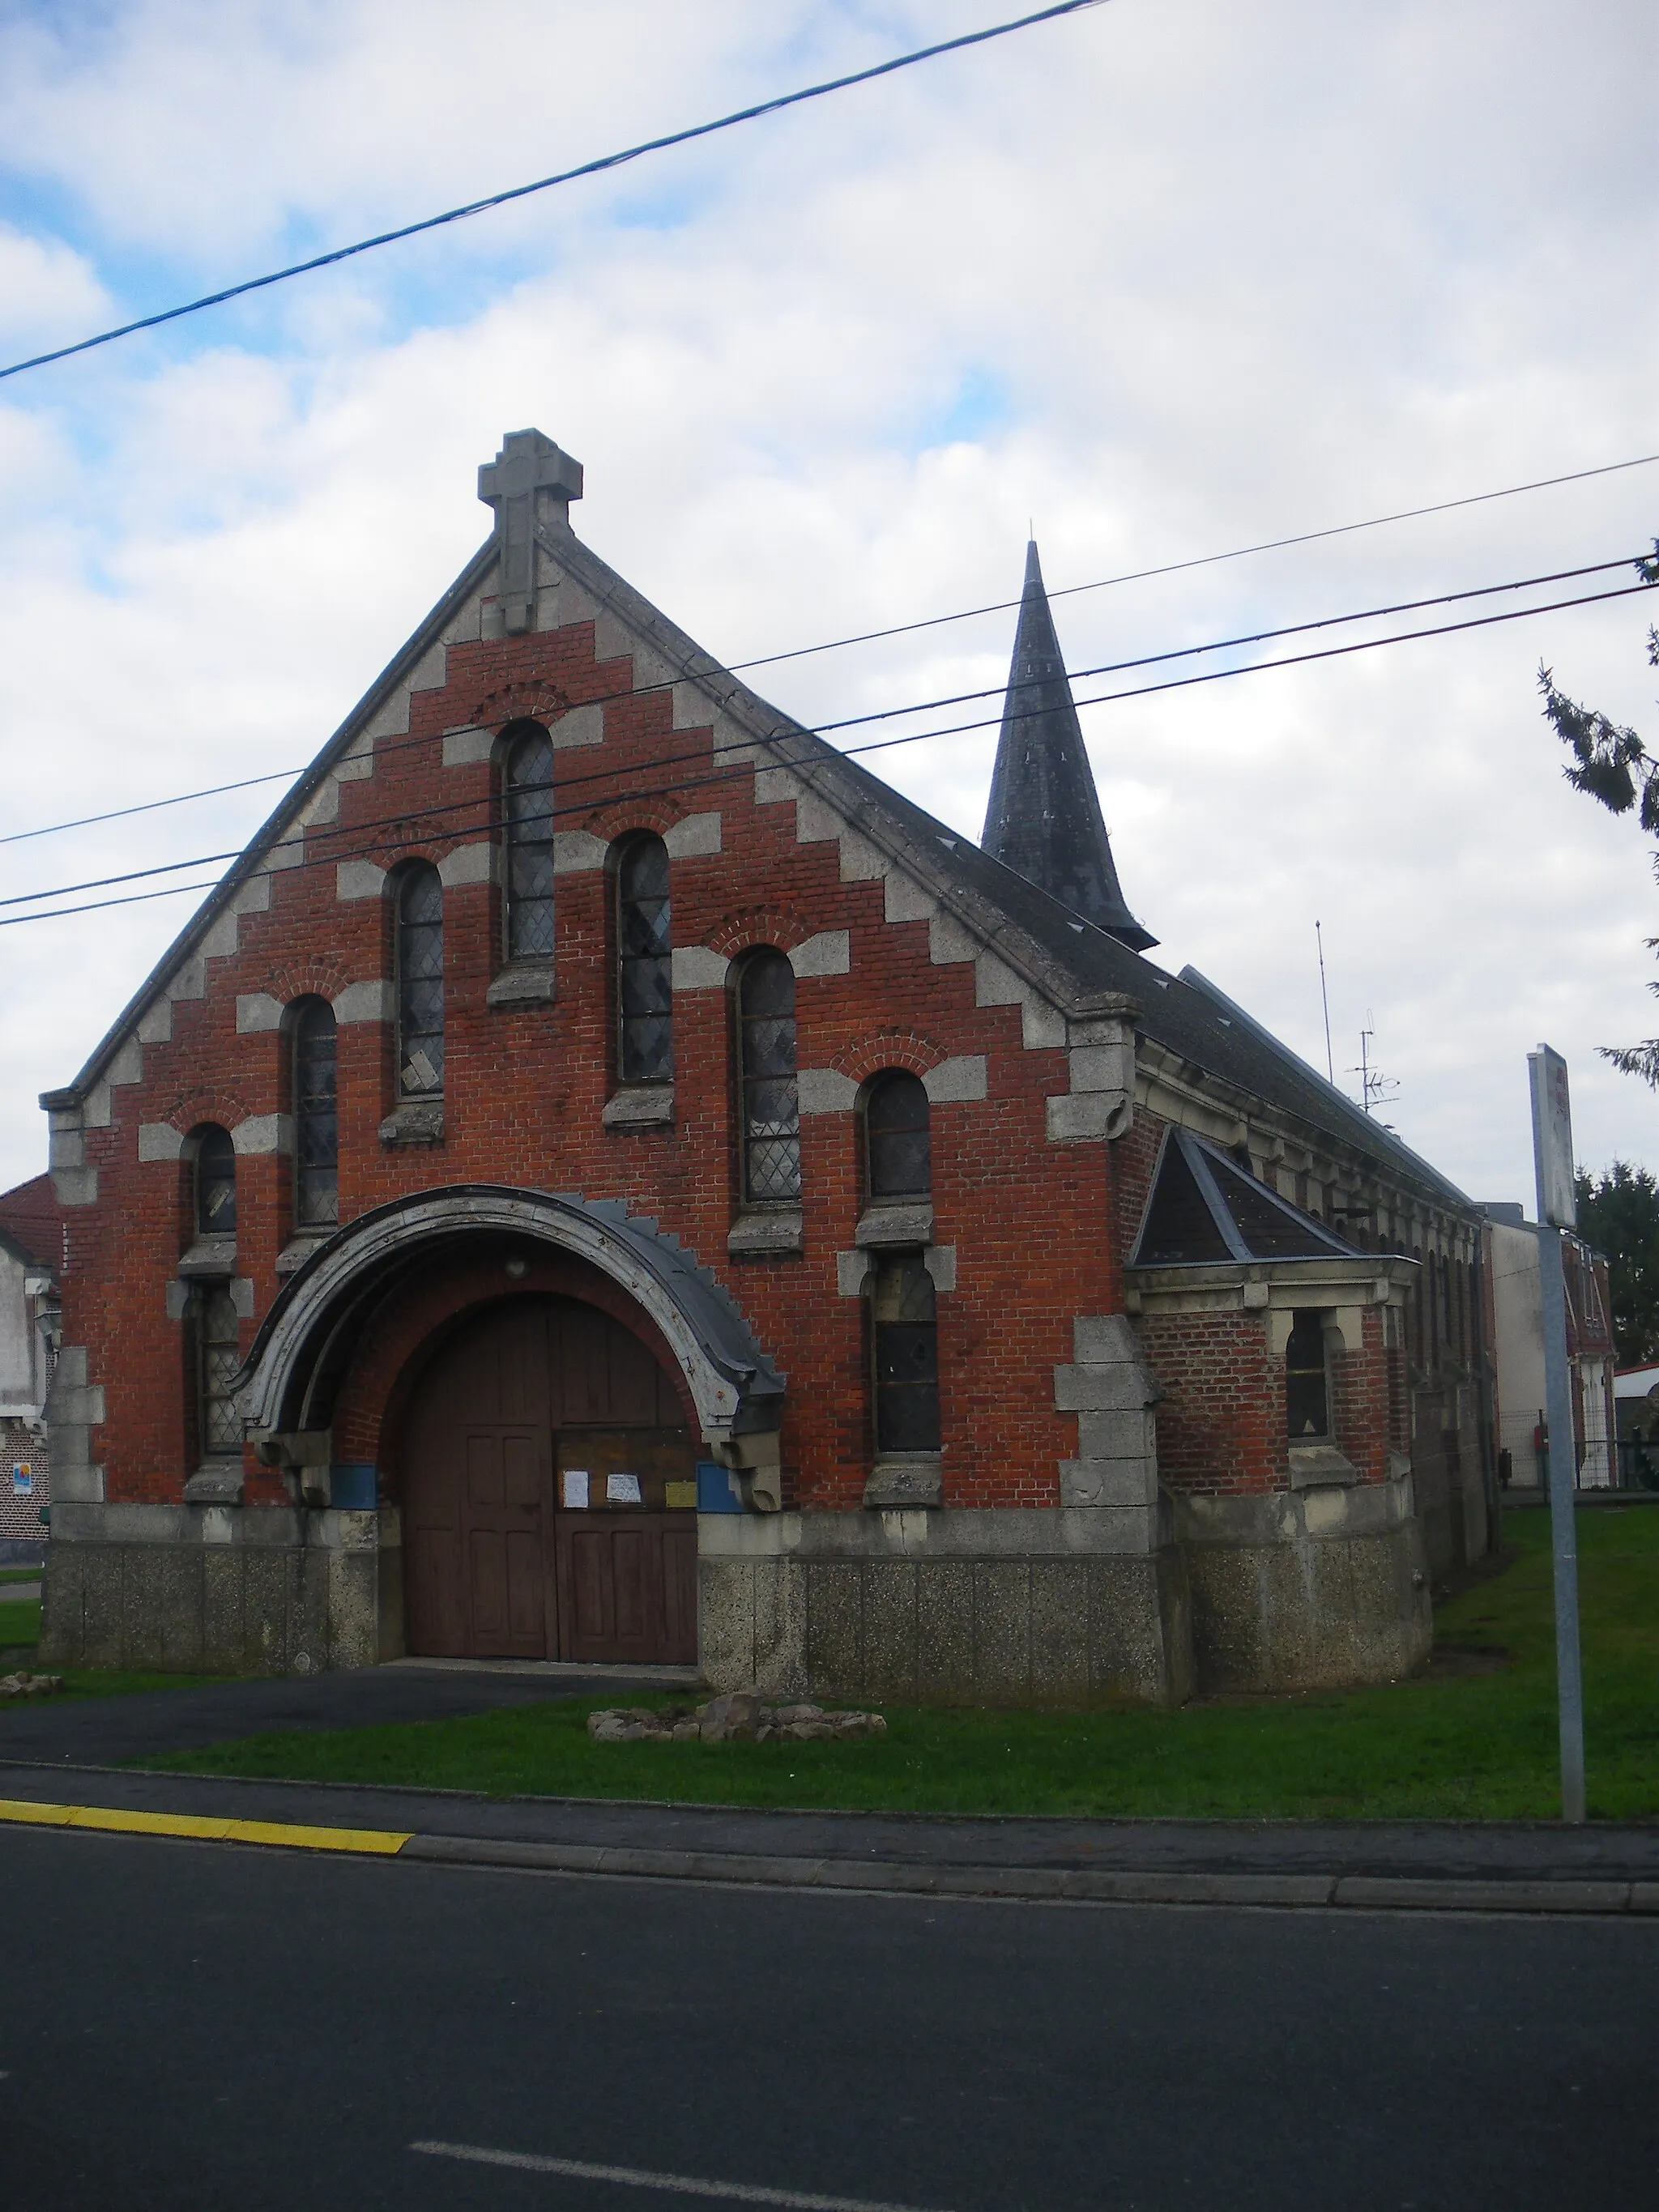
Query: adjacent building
(31, 1249)
(604, 1177)
(1516, 1321)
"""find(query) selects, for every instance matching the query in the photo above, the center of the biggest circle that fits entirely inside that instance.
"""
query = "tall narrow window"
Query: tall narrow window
(528, 880)
(644, 988)
(1307, 1388)
(897, 1141)
(215, 1183)
(218, 1357)
(316, 1120)
(770, 1109)
(906, 1347)
(420, 984)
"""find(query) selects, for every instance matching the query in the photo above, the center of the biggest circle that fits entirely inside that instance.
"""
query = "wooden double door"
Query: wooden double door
(549, 1494)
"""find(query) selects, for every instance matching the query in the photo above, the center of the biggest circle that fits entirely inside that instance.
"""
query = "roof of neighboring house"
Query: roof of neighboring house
(31, 1219)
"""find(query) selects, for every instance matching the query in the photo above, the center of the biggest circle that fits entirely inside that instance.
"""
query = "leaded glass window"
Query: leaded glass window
(898, 1146)
(316, 1119)
(218, 1357)
(644, 985)
(1307, 1386)
(215, 1183)
(906, 1334)
(766, 1057)
(529, 875)
(420, 984)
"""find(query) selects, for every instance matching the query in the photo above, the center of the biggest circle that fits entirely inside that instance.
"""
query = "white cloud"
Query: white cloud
(48, 294)
(1224, 276)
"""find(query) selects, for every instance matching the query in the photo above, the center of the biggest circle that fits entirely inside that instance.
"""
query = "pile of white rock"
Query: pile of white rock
(25, 1685)
(739, 1716)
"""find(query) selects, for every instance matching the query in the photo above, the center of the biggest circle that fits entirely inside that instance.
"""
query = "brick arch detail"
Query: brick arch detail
(619, 818)
(317, 977)
(746, 928)
(420, 1316)
(191, 1109)
(883, 1049)
(527, 699)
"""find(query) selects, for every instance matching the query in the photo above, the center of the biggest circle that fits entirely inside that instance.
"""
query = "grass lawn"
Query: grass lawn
(20, 1623)
(21, 1574)
(1476, 1744)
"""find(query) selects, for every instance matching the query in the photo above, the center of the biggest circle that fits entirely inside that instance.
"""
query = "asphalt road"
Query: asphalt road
(190, 2025)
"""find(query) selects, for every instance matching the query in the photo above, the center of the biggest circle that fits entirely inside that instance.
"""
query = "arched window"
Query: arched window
(906, 1345)
(420, 964)
(218, 1357)
(645, 1001)
(527, 879)
(215, 1180)
(898, 1144)
(1307, 1385)
(769, 1109)
(316, 1121)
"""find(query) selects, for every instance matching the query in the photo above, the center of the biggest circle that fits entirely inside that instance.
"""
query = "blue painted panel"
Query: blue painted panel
(718, 1490)
(352, 1487)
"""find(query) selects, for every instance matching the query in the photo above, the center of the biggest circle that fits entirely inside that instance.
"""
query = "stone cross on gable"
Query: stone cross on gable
(529, 480)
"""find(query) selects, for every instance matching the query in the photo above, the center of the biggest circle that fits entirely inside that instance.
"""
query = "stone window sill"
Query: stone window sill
(882, 1227)
(210, 1255)
(906, 1479)
(417, 1122)
(215, 1485)
(299, 1248)
(639, 1106)
(525, 983)
(777, 1231)
(1320, 1466)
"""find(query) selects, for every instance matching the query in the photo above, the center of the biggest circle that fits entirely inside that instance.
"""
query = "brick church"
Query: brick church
(605, 1178)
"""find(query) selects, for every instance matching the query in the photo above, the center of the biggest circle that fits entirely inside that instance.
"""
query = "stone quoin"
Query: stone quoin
(603, 1177)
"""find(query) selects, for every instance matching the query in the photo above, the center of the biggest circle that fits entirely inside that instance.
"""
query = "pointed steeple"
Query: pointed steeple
(1044, 815)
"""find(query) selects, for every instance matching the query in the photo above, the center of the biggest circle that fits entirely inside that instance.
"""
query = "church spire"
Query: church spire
(1044, 816)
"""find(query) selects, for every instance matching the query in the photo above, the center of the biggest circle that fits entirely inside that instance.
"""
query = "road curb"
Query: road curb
(1051, 1885)
(888, 1877)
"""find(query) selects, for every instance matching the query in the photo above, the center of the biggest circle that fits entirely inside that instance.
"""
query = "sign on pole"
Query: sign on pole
(1552, 1152)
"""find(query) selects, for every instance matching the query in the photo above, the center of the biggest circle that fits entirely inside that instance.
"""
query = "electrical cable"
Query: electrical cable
(879, 744)
(396, 745)
(1003, 690)
(595, 167)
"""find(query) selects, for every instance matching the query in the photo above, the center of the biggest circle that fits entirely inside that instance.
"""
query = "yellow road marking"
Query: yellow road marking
(386, 1842)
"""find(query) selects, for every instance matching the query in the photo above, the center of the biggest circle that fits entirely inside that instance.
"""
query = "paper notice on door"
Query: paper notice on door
(574, 1482)
(622, 1489)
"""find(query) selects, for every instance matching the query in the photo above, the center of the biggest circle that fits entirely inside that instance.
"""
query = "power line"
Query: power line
(857, 721)
(565, 176)
(931, 622)
(486, 819)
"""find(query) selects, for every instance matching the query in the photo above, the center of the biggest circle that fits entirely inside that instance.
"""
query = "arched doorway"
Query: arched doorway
(549, 1493)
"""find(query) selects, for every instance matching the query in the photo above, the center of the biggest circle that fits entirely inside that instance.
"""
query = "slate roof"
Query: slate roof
(31, 1218)
(1044, 817)
(1015, 917)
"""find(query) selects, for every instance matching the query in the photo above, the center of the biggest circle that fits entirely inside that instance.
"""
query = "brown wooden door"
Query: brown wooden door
(496, 1565)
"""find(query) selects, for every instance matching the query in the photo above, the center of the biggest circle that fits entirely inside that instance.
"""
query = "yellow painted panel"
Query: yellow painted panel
(115, 1819)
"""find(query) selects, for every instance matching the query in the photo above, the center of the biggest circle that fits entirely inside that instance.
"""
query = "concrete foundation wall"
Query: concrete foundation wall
(213, 1590)
(1318, 1591)
(951, 1606)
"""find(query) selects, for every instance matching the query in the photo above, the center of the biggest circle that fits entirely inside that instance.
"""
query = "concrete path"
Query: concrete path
(150, 1723)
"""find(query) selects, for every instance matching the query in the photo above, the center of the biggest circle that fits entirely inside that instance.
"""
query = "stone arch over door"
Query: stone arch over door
(547, 1474)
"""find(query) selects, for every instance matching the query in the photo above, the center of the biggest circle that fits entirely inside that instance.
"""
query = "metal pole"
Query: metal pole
(1564, 1534)
(1551, 1147)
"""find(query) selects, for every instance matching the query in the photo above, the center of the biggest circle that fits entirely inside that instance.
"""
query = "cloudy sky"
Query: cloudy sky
(1167, 278)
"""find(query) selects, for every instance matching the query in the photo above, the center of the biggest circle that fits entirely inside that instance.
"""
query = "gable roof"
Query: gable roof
(1080, 967)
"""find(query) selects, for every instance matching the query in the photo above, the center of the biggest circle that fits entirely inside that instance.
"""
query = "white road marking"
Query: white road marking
(634, 2177)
